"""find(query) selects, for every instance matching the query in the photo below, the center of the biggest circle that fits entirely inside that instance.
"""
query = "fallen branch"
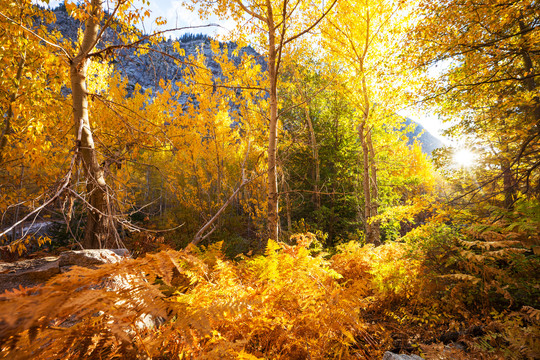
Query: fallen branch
(199, 236)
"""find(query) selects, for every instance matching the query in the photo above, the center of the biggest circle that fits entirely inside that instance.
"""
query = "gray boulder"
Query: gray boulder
(391, 356)
(33, 272)
(27, 273)
(92, 257)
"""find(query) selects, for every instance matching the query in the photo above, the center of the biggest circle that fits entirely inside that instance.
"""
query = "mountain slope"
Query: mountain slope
(427, 141)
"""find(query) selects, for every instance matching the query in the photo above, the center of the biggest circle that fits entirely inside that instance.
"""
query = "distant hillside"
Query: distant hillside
(427, 141)
(147, 70)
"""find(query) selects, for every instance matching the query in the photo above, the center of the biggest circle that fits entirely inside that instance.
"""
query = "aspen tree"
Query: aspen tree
(487, 86)
(359, 36)
(274, 25)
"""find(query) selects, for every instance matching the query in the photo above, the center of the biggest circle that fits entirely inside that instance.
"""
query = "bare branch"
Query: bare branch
(312, 25)
(250, 12)
(199, 236)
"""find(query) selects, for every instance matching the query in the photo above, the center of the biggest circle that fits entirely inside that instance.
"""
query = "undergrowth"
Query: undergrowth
(290, 303)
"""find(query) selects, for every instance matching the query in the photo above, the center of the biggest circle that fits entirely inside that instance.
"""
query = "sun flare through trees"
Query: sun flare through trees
(166, 194)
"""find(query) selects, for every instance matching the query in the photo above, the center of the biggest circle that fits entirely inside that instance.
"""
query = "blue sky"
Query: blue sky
(179, 16)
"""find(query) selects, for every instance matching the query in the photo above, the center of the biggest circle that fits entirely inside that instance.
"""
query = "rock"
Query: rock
(30, 273)
(92, 257)
(147, 321)
(33, 272)
(27, 273)
(391, 356)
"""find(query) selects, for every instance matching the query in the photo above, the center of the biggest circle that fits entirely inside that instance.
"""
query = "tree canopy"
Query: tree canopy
(273, 202)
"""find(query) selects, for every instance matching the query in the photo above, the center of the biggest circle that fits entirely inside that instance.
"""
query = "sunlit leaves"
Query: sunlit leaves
(33, 141)
(486, 86)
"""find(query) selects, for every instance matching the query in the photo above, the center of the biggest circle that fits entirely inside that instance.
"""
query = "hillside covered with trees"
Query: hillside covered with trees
(272, 202)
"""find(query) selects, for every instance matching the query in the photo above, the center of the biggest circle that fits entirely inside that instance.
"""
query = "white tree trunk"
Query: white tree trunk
(100, 230)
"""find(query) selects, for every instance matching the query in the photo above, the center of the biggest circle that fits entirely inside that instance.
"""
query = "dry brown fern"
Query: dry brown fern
(287, 304)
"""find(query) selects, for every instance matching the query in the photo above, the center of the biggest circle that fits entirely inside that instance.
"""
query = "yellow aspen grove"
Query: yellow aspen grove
(101, 223)
(180, 150)
(215, 140)
(274, 25)
(359, 36)
(32, 111)
(100, 229)
(488, 88)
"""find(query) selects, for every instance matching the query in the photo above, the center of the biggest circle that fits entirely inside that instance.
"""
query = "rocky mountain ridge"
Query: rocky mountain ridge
(427, 141)
(148, 69)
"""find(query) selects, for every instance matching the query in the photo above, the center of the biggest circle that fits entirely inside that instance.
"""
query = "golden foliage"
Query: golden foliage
(287, 304)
